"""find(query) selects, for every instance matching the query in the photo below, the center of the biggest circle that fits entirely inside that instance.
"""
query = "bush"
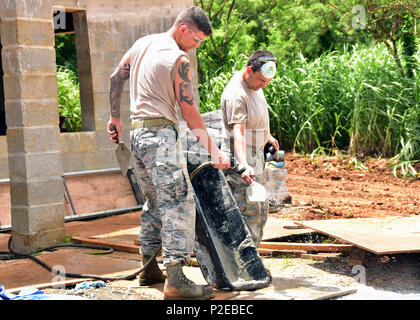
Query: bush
(69, 99)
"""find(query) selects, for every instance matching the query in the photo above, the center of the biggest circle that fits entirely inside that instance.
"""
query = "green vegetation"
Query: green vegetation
(355, 101)
(339, 88)
(65, 51)
(69, 99)
(68, 82)
(347, 80)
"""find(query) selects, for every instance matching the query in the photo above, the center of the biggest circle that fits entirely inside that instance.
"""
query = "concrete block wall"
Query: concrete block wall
(105, 30)
(34, 154)
(33, 146)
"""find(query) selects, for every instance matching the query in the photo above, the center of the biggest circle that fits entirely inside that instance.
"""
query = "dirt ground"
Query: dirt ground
(330, 188)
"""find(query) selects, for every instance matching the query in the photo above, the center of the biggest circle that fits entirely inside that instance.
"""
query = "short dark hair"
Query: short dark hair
(195, 17)
(256, 60)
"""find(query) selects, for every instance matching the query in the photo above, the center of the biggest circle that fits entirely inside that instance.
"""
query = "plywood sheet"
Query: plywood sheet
(5, 218)
(294, 289)
(274, 229)
(89, 193)
(279, 289)
(134, 232)
(99, 192)
(378, 235)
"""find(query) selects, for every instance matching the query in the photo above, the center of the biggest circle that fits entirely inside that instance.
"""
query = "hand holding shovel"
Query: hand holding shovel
(113, 132)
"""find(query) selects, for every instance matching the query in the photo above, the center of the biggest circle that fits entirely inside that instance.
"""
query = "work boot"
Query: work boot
(179, 287)
(151, 274)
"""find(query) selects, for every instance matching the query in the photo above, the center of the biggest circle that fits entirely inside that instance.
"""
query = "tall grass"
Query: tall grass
(354, 101)
(69, 99)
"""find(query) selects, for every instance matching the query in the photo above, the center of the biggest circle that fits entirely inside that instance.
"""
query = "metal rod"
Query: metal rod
(89, 215)
(77, 173)
(68, 195)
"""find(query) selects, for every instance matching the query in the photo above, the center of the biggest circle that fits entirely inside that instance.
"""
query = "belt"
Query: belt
(156, 122)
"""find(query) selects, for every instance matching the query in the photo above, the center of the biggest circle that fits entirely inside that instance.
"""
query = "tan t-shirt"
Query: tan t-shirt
(240, 104)
(152, 76)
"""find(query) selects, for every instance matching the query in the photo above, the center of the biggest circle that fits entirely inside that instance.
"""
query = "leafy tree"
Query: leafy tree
(289, 28)
(65, 51)
(391, 21)
(310, 28)
(239, 27)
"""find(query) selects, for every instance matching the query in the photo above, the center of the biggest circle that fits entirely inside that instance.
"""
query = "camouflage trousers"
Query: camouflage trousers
(255, 214)
(168, 217)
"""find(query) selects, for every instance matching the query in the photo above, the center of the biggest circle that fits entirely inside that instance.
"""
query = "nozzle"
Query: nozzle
(236, 166)
(273, 155)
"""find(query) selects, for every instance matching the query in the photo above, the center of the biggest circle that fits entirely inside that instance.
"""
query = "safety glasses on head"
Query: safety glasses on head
(266, 59)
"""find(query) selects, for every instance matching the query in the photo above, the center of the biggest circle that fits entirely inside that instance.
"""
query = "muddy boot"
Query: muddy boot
(179, 287)
(151, 274)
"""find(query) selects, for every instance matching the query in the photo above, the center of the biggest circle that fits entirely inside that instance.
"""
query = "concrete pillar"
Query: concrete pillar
(30, 88)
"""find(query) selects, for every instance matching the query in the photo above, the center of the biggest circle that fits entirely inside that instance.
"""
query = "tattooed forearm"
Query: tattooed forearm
(121, 74)
(185, 87)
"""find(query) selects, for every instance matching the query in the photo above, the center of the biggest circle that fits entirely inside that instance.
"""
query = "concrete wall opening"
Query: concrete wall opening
(74, 78)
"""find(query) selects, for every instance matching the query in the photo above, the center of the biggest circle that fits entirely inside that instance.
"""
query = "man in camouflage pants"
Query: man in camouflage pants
(169, 207)
(246, 120)
(159, 74)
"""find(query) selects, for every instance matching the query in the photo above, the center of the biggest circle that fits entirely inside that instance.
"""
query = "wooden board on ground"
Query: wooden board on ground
(387, 235)
(90, 192)
(275, 228)
(322, 247)
(131, 231)
(99, 192)
(294, 289)
(5, 217)
(25, 272)
(279, 289)
(115, 244)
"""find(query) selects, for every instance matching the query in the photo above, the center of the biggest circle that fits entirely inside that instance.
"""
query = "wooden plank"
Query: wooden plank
(274, 229)
(265, 252)
(387, 235)
(106, 243)
(91, 193)
(5, 217)
(131, 231)
(323, 256)
(70, 282)
(293, 227)
(280, 253)
(356, 257)
(294, 289)
(322, 247)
